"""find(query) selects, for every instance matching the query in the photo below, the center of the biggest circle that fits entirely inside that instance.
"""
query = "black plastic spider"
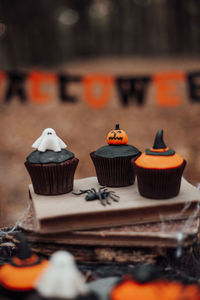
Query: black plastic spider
(103, 194)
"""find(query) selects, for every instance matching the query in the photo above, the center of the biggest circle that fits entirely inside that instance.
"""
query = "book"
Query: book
(69, 212)
(160, 234)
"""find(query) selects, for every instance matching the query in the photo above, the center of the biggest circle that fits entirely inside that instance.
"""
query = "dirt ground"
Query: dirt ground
(84, 129)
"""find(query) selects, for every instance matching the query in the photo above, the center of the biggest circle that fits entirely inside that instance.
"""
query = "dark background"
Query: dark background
(51, 32)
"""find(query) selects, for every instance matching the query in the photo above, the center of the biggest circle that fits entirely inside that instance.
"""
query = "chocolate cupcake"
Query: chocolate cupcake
(113, 161)
(51, 167)
(159, 170)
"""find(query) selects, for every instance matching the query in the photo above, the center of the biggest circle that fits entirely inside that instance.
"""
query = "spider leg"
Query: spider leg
(113, 198)
(114, 195)
(81, 192)
(101, 199)
(107, 200)
(113, 192)
(101, 188)
(93, 190)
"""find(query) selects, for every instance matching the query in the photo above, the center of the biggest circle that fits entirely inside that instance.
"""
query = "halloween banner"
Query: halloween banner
(30, 86)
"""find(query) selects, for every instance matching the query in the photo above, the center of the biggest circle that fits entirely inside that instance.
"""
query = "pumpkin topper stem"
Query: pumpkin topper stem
(158, 142)
(116, 126)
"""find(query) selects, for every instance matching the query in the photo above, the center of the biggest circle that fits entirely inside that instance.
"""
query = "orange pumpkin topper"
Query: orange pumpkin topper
(117, 136)
(21, 273)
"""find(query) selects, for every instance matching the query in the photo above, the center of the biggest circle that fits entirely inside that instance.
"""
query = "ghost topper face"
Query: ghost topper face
(49, 141)
(49, 131)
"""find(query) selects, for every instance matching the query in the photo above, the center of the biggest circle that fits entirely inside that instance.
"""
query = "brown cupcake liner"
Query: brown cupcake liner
(114, 172)
(159, 183)
(52, 179)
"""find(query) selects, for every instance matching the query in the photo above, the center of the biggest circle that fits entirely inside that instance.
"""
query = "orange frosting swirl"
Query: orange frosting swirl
(159, 162)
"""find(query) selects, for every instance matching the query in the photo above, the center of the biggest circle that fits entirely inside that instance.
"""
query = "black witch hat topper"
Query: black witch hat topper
(159, 147)
(24, 256)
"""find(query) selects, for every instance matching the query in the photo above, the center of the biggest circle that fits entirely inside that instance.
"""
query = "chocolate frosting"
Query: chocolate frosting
(49, 156)
(112, 151)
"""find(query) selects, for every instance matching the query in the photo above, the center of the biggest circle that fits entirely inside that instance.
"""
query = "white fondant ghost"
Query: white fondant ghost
(61, 279)
(49, 141)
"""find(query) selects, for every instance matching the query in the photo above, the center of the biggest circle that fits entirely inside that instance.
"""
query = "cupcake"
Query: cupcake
(17, 277)
(159, 170)
(129, 288)
(51, 167)
(113, 161)
(62, 280)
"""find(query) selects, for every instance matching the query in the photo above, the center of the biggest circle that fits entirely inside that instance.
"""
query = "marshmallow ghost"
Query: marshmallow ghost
(61, 279)
(49, 141)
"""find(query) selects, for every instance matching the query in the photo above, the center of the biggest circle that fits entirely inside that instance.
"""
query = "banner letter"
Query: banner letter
(97, 90)
(166, 92)
(15, 86)
(63, 81)
(37, 79)
(194, 86)
(132, 88)
(1, 78)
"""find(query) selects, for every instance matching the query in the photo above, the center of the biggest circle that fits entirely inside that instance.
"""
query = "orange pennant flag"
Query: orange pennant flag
(1, 79)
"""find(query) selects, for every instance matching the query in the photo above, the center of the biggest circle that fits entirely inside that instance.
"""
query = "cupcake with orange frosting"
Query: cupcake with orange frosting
(17, 277)
(113, 161)
(159, 170)
(130, 289)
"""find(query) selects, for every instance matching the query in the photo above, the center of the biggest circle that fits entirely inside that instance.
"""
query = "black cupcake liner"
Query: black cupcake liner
(159, 183)
(114, 172)
(52, 179)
